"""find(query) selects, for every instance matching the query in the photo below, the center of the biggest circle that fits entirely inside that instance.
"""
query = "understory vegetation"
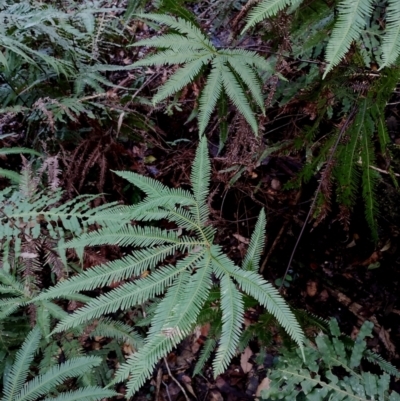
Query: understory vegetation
(163, 165)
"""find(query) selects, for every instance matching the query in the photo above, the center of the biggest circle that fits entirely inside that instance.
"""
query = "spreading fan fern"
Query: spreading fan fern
(331, 371)
(186, 285)
(18, 388)
(350, 24)
(233, 72)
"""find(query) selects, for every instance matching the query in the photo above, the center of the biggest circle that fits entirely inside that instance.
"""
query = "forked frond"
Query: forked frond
(254, 285)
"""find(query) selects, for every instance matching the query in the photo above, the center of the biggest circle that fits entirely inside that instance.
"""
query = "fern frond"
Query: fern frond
(210, 95)
(266, 9)
(267, 295)
(15, 379)
(183, 26)
(171, 41)
(168, 57)
(200, 178)
(128, 295)
(181, 78)
(126, 236)
(250, 78)
(391, 39)
(351, 21)
(119, 331)
(103, 275)
(205, 354)
(89, 393)
(42, 384)
(232, 320)
(238, 97)
(252, 259)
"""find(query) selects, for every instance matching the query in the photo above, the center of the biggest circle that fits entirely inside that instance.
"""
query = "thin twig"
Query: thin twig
(329, 161)
(175, 380)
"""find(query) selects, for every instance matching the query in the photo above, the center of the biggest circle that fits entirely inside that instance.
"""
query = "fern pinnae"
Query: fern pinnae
(232, 320)
(238, 97)
(177, 42)
(181, 78)
(129, 294)
(126, 236)
(251, 260)
(200, 178)
(391, 39)
(15, 379)
(167, 57)
(267, 8)
(120, 331)
(347, 29)
(267, 295)
(205, 354)
(89, 393)
(42, 384)
(249, 77)
(210, 95)
(183, 26)
(102, 275)
(168, 303)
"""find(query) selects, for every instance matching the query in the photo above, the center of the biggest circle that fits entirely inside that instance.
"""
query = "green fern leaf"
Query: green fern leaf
(181, 78)
(266, 9)
(351, 21)
(232, 320)
(186, 285)
(197, 51)
(15, 379)
(89, 393)
(254, 285)
(238, 97)
(252, 259)
(210, 95)
(205, 354)
(391, 40)
(200, 178)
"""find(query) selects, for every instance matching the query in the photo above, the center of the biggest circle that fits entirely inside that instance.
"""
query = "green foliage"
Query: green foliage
(350, 26)
(331, 371)
(21, 385)
(52, 58)
(233, 72)
(186, 285)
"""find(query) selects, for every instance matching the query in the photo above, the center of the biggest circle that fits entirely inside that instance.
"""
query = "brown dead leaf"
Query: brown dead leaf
(244, 360)
(264, 385)
(385, 337)
(242, 239)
